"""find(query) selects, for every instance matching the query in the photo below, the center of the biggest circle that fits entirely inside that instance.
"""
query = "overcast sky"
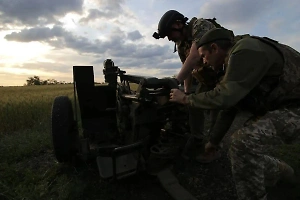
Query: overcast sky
(47, 37)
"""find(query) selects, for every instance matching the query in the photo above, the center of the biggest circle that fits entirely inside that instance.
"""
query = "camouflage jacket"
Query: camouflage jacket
(195, 30)
(288, 86)
(278, 86)
(275, 90)
(257, 67)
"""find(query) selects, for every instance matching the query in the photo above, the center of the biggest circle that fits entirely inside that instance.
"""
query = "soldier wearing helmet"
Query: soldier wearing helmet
(166, 22)
(185, 34)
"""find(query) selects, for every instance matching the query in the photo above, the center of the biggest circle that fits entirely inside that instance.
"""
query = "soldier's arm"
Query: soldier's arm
(200, 27)
(245, 69)
(188, 83)
(190, 63)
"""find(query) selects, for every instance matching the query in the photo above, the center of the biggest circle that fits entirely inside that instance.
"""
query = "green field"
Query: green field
(28, 168)
(25, 108)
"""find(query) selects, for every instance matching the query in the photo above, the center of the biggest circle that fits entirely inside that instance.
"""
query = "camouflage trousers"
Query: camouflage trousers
(197, 116)
(197, 119)
(252, 166)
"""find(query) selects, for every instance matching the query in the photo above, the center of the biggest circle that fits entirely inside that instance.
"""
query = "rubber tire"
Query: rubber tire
(64, 130)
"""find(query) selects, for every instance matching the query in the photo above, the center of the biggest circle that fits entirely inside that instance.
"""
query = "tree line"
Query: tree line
(36, 80)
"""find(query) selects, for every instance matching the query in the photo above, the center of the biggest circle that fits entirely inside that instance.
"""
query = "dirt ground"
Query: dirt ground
(214, 181)
(204, 181)
(211, 181)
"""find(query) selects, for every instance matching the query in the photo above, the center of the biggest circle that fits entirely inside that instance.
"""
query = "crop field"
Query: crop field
(29, 170)
(24, 108)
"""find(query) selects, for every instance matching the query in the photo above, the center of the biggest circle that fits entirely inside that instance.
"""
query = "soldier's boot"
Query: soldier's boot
(287, 174)
(284, 175)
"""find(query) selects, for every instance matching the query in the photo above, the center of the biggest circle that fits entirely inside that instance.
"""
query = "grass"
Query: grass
(28, 169)
(27, 107)
(27, 166)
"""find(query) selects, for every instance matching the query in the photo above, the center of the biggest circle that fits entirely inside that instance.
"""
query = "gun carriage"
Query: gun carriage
(121, 127)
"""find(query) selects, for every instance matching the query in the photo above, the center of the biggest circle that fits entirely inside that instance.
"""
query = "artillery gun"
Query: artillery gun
(122, 128)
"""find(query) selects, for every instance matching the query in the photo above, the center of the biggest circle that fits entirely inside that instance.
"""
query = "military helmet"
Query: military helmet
(108, 63)
(166, 22)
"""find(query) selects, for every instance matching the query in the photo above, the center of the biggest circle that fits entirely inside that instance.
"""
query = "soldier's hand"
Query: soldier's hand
(205, 75)
(178, 96)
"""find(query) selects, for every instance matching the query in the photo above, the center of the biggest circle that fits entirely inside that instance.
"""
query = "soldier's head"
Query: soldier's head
(108, 63)
(214, 45)
(171, 24)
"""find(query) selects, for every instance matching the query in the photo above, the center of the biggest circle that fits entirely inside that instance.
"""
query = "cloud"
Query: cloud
(94, 14)
(109, 4)
(134, 35)
(116, 46)
(236, 14)
(272, 18)
(36, 34)
(33, 12)
(56, 37)
(86, 32)
(107, 9)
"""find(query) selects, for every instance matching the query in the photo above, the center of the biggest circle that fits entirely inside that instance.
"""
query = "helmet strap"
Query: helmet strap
(175, 49)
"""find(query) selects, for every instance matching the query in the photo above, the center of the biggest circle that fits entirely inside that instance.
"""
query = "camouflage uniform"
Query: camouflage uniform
(262, 76)
(252, 166)
(195, 29)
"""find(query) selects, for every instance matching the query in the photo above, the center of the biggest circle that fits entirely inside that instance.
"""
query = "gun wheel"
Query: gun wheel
(64, 132)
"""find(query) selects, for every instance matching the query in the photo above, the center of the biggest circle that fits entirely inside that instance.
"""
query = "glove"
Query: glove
(205, 75)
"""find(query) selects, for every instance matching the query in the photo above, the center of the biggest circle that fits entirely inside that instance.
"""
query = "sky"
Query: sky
(47, 38)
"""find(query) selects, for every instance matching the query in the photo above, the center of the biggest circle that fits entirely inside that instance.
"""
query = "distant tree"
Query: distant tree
(45, 82)
(35, 80)
(52, 82)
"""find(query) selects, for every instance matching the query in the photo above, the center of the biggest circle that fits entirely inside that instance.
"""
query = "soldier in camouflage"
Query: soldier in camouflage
(175, 26)
(262, 76)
